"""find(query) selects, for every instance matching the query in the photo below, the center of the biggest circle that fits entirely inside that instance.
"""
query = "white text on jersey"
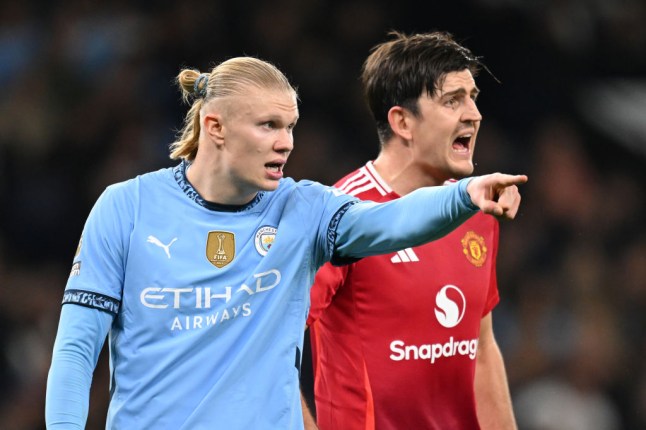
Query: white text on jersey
(201, 297)
(401, 351)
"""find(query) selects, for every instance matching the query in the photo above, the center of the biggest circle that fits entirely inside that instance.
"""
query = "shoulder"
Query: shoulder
(164, 175)
(364, 183)
(306, 196)
(300, 194)
(125, 193)
(304, 186)
(149, 179)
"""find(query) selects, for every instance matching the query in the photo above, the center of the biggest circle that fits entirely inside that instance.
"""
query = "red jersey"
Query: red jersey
(394, 337)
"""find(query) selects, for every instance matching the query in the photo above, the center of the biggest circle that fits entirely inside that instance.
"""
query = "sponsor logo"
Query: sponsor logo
(474, 248)
(220, 248)
(157, 242)
(76, 269)
(206, 298)
(264, 238)
(401, 351)
(450, 305)
(198, 322)
(405, 256)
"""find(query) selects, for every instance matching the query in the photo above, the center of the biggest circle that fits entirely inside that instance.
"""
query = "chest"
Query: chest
(457, 270)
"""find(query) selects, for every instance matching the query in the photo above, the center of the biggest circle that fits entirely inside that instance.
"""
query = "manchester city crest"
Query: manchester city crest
(264, 239)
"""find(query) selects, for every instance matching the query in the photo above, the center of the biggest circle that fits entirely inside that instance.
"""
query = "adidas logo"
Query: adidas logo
(405, 256)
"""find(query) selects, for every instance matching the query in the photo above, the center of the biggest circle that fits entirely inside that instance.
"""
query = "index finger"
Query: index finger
(506, 180)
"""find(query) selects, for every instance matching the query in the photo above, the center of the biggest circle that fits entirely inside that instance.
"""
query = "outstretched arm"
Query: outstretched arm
(426, 214)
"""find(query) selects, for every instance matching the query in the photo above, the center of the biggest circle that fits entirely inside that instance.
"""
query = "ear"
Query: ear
(400, 122)
(213, 127)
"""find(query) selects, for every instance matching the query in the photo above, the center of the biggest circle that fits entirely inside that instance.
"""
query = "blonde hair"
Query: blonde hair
(229, 78)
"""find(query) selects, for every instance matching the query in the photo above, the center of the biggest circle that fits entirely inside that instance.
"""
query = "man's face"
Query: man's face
(258, 139)
(444, 133)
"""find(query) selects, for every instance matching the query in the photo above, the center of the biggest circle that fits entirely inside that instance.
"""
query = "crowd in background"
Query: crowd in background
(87, 99)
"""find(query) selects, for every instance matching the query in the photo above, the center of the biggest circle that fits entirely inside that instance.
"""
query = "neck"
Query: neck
(210, 181)
(396, 165)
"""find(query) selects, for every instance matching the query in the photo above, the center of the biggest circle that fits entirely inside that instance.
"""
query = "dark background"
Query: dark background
(87, 99)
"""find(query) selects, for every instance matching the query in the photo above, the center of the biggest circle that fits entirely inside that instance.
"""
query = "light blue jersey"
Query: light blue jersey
(209, 302)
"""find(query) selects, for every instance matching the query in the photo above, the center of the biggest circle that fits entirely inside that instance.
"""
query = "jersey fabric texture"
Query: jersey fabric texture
(205, 303)
(394, 336)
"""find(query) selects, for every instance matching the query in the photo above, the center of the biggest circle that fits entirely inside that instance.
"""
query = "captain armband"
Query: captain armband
(92, 300)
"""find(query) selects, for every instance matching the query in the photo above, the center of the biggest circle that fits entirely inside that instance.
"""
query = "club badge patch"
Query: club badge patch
(220, 248)
(474, 248)
(76, 269)
(265, 237)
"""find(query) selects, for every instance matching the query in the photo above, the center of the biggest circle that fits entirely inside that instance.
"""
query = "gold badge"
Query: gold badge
(220, 248)
(474, 248)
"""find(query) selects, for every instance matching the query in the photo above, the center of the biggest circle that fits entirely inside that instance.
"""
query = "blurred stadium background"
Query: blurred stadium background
(87, 99)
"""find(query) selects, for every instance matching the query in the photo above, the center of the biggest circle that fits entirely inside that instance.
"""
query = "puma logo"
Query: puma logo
(166, 248)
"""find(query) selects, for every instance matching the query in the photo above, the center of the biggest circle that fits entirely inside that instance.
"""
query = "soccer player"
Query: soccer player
(404, 340)
(199, 274)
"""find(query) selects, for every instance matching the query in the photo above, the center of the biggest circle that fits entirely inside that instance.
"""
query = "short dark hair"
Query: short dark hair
(398, 71)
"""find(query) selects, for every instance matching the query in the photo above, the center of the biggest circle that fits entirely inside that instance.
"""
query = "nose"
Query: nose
(471, 113)
(285, 141)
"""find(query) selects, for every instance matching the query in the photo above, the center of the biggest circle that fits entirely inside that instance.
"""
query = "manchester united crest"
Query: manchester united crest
(474, 248)
(220, 248)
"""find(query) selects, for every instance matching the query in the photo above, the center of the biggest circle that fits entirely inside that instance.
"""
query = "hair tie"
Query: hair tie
(200, 85)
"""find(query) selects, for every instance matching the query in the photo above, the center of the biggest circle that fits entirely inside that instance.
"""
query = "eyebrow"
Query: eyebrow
(461, 91)
(277, 119)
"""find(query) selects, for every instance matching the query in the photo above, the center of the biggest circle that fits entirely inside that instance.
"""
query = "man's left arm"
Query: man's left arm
(493, 400)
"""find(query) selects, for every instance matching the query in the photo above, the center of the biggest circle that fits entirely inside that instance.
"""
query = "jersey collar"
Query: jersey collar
(179, 172)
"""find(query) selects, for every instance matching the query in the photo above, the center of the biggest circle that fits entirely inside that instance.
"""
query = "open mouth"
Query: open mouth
(274, 167)
(461, 143)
